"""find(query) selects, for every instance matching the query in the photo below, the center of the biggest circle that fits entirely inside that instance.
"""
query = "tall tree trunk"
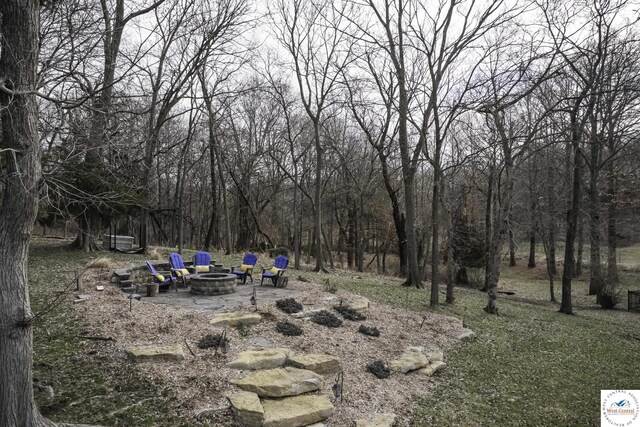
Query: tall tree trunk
(533, 218)
(568, 271)
(351, 235)
(450, 264)
(225, 205)
(397, 215)
(296, 225)
(317, 212)
(595, 271)
(532, 249)
(501, 225)
(310, 241)
(19, 144)
(488, 225)
(512, 247)
(414, 277)
(211, 239)
(413, 270)
(580, 258)
(360, 244)
(612, 232)
(551, 253)
(550, 274)
(328, 252)
(435, 243)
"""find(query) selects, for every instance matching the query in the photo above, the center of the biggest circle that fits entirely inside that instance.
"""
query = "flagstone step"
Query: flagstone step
(319, 363)
(296, 411)
(266, 358)
(280, 382)
(247, 409)
(156, 353)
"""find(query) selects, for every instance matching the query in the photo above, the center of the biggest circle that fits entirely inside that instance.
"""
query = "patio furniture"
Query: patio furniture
(202, 262)
(164, 283)
(274, 273)
(246, 269)
(178, 267)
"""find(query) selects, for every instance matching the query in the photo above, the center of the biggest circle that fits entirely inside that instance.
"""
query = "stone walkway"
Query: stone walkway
(221, 303)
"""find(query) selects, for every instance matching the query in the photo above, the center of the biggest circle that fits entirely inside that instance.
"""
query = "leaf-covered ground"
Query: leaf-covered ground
(528, 366)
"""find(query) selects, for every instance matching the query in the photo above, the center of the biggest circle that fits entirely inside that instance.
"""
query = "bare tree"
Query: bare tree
(372, 106)
(115, 20)
(295, 132)
(316, 45)
(21, 185)
(585, 52)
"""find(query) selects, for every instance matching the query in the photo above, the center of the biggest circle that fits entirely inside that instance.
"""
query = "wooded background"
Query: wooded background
(411, 136)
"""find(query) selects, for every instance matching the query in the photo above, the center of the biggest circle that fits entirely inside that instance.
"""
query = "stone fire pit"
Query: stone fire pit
(213, 284)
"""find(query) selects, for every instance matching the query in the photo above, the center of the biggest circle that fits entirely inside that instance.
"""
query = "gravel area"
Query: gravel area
(202, 380)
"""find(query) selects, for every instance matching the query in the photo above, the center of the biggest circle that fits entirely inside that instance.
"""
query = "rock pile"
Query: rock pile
(275, 396)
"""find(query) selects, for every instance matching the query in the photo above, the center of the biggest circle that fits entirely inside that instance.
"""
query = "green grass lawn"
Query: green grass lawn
(530, 366)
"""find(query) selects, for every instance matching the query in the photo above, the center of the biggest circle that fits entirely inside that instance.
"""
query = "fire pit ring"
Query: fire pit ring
(213, 284)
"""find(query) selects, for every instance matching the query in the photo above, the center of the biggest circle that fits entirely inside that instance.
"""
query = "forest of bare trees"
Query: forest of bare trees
(350, 133)
(420, 139)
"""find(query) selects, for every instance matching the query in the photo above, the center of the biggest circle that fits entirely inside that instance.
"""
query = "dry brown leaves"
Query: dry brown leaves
(202, 381)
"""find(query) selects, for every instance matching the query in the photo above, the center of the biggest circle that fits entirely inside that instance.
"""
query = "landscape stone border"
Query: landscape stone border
(122, 276)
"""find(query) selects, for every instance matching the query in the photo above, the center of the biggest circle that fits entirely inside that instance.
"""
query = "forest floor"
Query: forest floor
(528, 366)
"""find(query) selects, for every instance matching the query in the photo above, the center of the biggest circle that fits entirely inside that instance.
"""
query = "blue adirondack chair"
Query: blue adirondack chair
(278, 269)
(163, 281)
(201, 262)
(178, 267)
(246, 269)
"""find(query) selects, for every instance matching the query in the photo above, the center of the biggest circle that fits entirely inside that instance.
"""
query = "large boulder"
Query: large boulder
(382, 420)
(296, 411)
(318, 363)
(413, 358)
(144, 353)
(247, 409)
(260, 359)
(235, 319)
(280, 382)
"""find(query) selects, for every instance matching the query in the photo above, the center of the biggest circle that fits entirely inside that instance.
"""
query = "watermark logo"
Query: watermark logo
(620, 408)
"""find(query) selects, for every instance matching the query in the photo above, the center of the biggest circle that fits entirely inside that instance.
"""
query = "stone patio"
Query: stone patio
(221, 303)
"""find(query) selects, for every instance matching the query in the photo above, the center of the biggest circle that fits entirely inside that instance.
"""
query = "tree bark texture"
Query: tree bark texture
(612, 231)
(501, 224)
(488, 224)
(435, 247)
(551, 203)
(317, 212)
(512, 247)
(569, 267)
(595, 273)
(532, 249)
(21, 167)
(580, 258)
